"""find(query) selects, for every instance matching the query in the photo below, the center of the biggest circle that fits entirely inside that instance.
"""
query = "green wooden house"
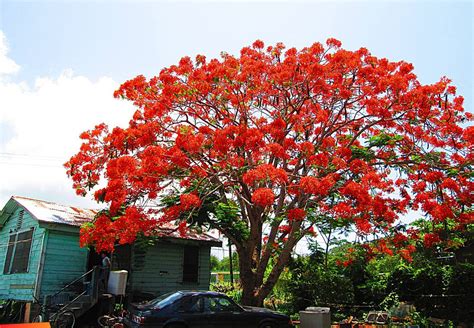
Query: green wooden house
(40, 254)
(39, 250)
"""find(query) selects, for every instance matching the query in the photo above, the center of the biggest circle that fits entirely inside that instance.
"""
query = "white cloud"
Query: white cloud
(40, 127)
(7, 66)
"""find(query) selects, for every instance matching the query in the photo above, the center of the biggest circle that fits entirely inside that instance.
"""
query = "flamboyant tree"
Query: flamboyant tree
(269, 145)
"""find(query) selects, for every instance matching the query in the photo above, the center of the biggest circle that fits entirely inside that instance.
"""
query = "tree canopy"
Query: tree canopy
(269, 144)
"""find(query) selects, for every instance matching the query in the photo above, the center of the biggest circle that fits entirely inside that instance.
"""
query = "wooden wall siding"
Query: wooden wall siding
(160, 269)
(64, 261)
(20, 286)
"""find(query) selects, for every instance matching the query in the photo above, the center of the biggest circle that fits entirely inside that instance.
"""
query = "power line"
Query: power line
(30, 164)
(12, 159)
(42, 157)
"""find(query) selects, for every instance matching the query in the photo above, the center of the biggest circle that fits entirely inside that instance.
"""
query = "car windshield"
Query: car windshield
(220, 304)
(165, 299)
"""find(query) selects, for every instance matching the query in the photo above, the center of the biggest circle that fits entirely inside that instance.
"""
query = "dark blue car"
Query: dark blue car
(189, 309)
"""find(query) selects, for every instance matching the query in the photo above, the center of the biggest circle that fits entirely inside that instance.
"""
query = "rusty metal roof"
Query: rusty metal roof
(55, 213)
(50, 212)
(171, 231)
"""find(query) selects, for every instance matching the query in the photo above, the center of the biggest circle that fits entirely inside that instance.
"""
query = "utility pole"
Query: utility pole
(231, 269)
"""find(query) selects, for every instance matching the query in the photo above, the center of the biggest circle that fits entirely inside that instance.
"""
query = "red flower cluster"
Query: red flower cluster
(263, 197)
(189, 201)
(406, 253)
(296, 214)
(399, 239)
(107, 231)
(285, 229)
(310, 185)
(431, 239)
(264, 173)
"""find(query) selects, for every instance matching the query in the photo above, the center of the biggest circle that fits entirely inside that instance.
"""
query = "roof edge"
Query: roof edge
(212, 243)
(12, 204)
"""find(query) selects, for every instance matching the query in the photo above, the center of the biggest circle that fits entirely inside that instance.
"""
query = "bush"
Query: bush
(438, 291)
(311, 284)
(233, 291)
(460, 288)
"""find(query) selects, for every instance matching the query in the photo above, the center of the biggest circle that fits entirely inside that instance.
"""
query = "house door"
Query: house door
(121, 258)
(93, 259)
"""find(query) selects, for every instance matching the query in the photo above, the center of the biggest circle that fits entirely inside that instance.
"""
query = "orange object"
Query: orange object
(27, 325)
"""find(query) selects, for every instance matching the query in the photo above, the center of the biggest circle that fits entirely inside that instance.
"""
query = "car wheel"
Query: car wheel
(267, 325)
(65, 320)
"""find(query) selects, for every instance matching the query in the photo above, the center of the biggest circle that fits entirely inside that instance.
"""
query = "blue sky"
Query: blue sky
(121, 39)
(71, 55)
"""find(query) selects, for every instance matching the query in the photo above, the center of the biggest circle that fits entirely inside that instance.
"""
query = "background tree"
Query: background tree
(313, 281)
(214, 263)
(267, 145)
(224, 264)
(437, 286)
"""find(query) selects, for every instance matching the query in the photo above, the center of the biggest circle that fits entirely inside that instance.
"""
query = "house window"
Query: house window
(18, 252)
(11, 247)
(191, 264)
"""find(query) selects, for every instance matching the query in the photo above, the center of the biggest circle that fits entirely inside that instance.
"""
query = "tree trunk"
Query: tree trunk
(255, 291)
(247, 278)
(326, 252)
(248, 295)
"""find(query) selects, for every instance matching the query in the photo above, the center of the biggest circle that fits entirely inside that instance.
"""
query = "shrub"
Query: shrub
(233, 291)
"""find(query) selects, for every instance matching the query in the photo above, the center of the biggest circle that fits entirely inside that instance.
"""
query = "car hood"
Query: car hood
(259, 309)
(141, 307)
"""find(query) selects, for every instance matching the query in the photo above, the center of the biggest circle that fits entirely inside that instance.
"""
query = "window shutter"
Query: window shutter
(8, 259)
(19, 221)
